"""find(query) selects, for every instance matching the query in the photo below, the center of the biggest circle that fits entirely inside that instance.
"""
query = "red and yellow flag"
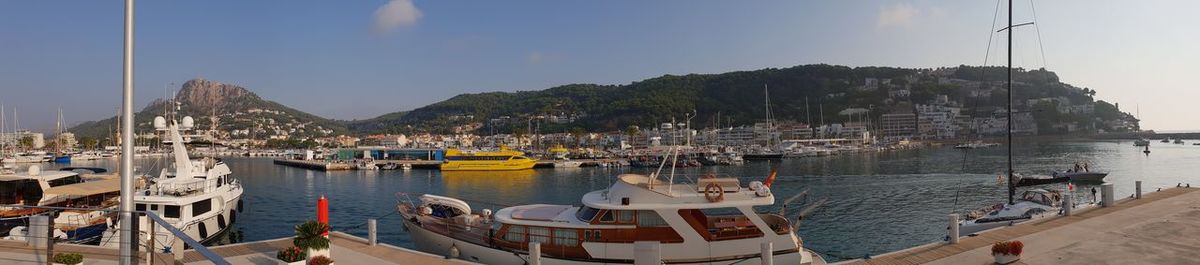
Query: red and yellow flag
(770, 178)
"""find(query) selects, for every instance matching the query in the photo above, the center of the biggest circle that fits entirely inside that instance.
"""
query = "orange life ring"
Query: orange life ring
(714, 192)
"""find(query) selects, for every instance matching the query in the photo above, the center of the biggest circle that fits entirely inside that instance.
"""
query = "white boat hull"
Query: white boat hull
(428, 241)
(215, 224)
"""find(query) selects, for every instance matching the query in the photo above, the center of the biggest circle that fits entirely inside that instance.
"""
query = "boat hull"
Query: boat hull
(431, 242)
(1087, 176)
(8, 223)
(488, 166)
(762, 156)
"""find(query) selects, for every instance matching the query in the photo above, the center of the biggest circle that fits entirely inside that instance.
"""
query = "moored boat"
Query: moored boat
(197, 196)
(503, 159)
(711, 222)
(1141, 142)
(1032, 204)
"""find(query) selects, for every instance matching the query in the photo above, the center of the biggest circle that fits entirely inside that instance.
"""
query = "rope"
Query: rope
(1038, 29)
(826, 253)
(353, 227)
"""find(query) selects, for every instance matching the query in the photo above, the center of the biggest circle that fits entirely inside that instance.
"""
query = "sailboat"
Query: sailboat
(1032, 204)
(59, 155)
(766, 152)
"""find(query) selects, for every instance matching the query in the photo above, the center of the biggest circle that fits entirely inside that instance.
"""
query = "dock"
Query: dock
(1159, 228)
(344, 249)
(323, 165)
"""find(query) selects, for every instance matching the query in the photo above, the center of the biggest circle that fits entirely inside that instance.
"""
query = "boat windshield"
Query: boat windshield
(586, 213)
(25, 191)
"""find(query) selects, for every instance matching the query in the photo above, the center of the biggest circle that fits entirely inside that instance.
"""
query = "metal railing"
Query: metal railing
(154, 218)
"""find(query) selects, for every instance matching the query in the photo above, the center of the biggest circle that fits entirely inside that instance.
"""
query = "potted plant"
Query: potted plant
(310, 237)
(1006, 252)
(292, 255)
(68, 258)
(320, 260)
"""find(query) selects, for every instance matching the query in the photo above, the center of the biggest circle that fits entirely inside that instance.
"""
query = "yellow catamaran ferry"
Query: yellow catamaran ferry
(504, 159)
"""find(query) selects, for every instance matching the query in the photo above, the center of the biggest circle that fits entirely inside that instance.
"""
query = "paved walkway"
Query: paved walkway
(20, 253)
(1161, 228)
(344, 249)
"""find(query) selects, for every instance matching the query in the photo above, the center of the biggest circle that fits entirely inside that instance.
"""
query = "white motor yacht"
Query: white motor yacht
(198, 196)
(711, 222)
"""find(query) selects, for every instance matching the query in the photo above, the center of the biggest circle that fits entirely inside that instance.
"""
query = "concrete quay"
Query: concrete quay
(344, 249)
(1159, 228)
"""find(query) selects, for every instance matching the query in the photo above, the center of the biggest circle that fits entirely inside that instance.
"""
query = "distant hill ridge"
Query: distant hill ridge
(797, 93)
(238, 109)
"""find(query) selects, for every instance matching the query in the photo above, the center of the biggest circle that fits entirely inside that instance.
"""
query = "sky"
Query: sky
(360, 59)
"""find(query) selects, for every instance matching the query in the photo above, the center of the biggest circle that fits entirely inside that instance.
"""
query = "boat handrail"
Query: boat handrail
(187, 240)
(190, 188)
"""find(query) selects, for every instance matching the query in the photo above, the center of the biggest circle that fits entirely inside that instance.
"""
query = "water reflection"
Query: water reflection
(878, 202)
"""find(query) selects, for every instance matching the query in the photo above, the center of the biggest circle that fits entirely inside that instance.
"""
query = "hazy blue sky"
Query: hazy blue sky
(359, 59)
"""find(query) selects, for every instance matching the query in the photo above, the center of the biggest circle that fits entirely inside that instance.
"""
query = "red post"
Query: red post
(323, 213)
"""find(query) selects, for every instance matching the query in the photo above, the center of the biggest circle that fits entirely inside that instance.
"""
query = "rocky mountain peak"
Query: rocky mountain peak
(206, 94)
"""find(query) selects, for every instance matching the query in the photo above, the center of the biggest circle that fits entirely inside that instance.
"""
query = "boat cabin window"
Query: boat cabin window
(477, 158)
(139, 207)
(586, 213)
(201, 207)
(65, 181)
(171, 211)
(566, 237)
(607, 217)
(539, 234)
(25, 191)
(647, 218)
(625, 217)
(720, 223)
(516, 233)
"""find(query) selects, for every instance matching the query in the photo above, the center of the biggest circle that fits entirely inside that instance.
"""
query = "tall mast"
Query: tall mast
(1011, 188)
(58, 133)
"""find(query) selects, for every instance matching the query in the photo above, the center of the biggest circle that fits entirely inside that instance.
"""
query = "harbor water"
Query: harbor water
(877, 201)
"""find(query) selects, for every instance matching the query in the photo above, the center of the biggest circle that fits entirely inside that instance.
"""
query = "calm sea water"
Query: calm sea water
(878, 202)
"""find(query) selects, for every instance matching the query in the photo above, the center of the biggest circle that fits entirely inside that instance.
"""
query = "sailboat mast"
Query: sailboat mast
(1011, 188)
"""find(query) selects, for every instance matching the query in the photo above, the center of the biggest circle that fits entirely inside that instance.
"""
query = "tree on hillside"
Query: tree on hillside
(26, 142)
(88, 142)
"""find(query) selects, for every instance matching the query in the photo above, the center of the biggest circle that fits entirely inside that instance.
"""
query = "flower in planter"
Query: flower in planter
(68, 258)
(1000, 248)
(1015, 248)
(291, 254)
(320, 260)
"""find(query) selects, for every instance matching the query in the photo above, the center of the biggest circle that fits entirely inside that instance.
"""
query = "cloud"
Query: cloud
(898, 15)
(395, 14)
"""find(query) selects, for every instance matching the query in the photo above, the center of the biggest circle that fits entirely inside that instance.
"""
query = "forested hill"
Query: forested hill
(816, 92)
(796, 93)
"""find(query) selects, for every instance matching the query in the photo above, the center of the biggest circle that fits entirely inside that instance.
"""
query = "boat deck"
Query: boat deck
(1159, 228)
